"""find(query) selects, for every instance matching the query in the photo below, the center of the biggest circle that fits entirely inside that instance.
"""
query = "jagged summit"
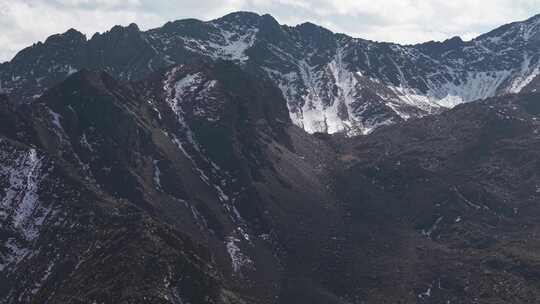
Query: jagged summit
(73, 33)
(69, 35)
(240, 16)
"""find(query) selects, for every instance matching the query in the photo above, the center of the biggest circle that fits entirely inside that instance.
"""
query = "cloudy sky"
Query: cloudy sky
(23, 22)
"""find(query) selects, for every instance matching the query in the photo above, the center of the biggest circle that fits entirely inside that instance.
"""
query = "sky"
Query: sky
(24, 22)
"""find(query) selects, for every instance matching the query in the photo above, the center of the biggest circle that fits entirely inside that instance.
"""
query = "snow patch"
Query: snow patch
(238, 259)
(433, 227)
(21, 195)
(225, 44)
(71, 70)
(56, 119)
(84, 142)
(157, 175)
(474, 86)
(235, 46)
(425, 294)
(20, 209)
(527, 74)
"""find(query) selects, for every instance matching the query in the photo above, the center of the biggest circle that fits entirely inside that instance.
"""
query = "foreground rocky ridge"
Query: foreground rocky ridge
(188, 168)
(193, 185)
(332, 82)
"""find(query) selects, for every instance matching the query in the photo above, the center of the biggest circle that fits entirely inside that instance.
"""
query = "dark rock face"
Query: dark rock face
(332, 82)
(189, 169)
(192, 184)
(65, 240)
(462, 187)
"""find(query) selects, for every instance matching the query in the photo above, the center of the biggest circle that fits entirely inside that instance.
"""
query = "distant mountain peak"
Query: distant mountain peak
(525, 30)
(312, 27)
(132, 28)
(71, 35)
(240, 17)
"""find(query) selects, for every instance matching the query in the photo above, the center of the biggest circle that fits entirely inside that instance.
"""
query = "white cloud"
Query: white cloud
(24, 22)
(411, 21)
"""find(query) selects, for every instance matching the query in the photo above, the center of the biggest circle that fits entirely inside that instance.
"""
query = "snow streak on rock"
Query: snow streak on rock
(238, 259)
(20, 176)
(175, 91)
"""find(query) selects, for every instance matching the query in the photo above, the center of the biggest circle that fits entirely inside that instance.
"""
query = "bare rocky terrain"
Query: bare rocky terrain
(175, 178)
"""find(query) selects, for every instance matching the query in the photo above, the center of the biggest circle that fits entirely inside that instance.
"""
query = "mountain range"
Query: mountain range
(241, 161)
(332, 82)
